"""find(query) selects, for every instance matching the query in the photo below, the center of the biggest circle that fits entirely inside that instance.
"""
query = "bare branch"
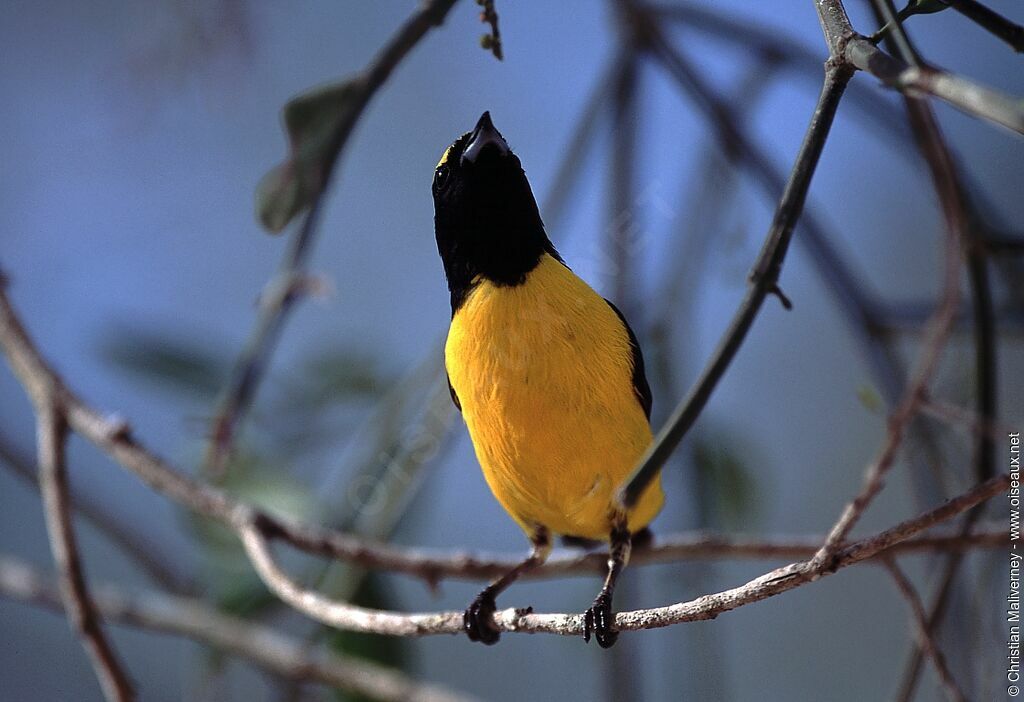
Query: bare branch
(993, 22)
(923, 632)
(435, 565)
(962, 224)
(145, 552)
(961, 93)
(195, 620)
(282, 292)
(874, 479)
(81, 613)
(955, 415)
(256, 537)
(765, 273)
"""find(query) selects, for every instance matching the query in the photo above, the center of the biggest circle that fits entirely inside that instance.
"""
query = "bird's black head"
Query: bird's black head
(485, 216)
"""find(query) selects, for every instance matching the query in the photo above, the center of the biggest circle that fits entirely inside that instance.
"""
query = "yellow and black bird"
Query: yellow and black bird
(547, 374)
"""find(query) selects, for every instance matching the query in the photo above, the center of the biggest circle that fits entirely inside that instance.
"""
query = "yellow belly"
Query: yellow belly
(543, 372)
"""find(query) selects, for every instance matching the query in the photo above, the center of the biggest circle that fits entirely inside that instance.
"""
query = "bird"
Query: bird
(548, 375)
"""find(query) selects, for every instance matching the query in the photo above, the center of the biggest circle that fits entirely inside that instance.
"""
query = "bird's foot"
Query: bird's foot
(599, 620)
(478, 620)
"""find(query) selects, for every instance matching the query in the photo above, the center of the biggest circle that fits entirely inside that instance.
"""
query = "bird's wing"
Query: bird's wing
(451, 391)
(640, 385)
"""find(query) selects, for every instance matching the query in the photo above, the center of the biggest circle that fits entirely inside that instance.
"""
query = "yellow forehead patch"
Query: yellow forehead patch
(444, 158)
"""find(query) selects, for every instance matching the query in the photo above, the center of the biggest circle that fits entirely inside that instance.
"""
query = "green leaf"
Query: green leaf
(870, 398)
(177, 364)
(245, 596)
(316, 123)
(730, 483)
(342, 374)
(233, 584)
(388, 650)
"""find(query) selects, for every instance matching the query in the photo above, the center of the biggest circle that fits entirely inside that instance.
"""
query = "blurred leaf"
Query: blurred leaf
(316, 123)
(177, 364)
(869, 397)
(245, 597)
(233, 583)
(340, 375)
(391, 651)
(730, 483)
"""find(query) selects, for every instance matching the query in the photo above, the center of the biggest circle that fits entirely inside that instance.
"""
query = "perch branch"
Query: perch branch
(256, 537)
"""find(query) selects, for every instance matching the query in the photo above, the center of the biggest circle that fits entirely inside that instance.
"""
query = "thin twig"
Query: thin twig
(283, 291)
(964, 224)
(81, 612)
(874, 478)
(956, 219)
(492, 40)
(145, 552)
(865, 315)
(196, 620)
(924, 635)
(766, 41)
(991, 21)
(955, 415)
(763, 278)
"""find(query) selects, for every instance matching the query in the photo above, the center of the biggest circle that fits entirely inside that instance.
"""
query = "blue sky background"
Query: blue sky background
(131, 150)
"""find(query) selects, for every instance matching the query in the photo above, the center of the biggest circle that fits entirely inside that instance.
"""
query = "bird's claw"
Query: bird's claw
(599, 619)
(478, 620)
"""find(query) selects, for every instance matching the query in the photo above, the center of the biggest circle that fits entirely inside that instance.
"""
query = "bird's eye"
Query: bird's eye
(441, 177)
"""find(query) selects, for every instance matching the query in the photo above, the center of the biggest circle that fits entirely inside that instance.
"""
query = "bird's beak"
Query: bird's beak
(484, 136)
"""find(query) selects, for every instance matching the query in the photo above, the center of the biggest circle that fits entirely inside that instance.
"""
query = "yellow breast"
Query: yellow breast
(543, 371)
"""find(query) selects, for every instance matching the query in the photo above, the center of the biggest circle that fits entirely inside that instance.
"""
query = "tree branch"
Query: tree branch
(144, 552)
(764, 275)
(256, 537)
(195, 620)
(81, 612)
(924, 636)
(961, 93)
(964, 225)
(283, 290)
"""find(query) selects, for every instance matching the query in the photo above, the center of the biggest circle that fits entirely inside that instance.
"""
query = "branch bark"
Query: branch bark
(963, 94)
(924, 634)
(195, 620)
(964, 225)
(81, 612)
(256, 537)
(147, 554)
